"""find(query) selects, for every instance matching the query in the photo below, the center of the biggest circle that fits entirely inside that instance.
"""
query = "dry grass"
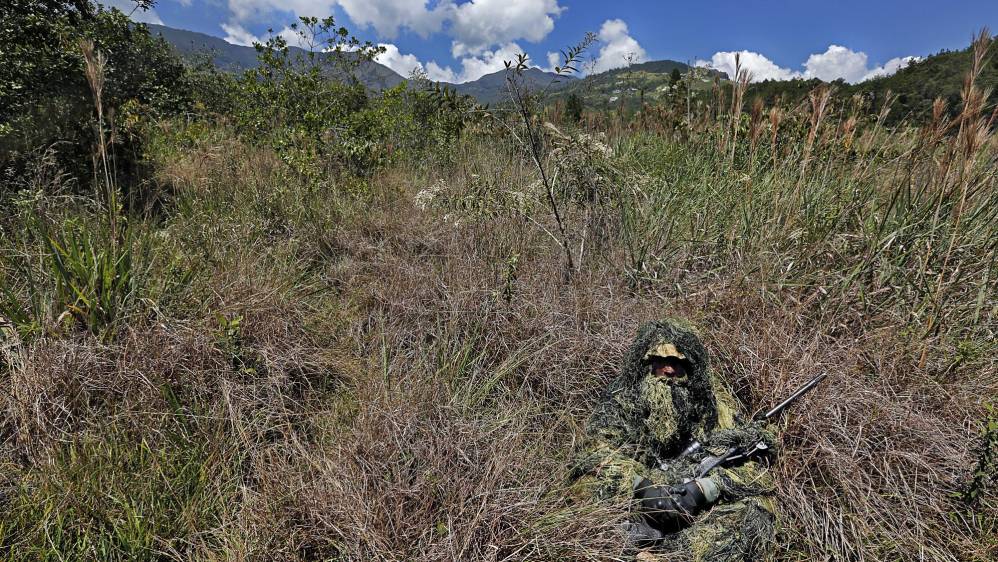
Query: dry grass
(350, 375)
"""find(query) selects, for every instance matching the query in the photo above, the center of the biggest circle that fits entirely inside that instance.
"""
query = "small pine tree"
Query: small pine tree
(675, 76)
(573, 108)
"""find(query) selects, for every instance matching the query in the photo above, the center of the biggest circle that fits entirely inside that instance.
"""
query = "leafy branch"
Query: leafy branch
(524, 102)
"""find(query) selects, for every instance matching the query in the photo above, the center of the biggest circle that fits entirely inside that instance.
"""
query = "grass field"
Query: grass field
(237, 360)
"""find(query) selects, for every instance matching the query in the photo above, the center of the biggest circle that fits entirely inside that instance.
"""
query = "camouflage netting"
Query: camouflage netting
(657, 418)
(644, 422)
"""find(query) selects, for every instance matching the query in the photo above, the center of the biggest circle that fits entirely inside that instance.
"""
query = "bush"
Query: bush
(308, 105)
(44, 96)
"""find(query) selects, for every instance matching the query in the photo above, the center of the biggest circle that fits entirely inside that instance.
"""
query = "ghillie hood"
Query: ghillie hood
(653, 426)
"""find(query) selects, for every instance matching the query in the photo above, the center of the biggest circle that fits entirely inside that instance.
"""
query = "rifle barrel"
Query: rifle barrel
(793, 397)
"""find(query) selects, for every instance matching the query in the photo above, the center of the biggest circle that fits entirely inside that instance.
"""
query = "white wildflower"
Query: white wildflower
(424, 198)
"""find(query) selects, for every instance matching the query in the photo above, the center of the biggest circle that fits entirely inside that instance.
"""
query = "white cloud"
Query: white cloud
(554, 59)
(237, 35)
(758, 65)
(388, 16)
(401, 63)
(475, 25)
(480, 24)
(474, 67)
(618, 47)
(837, 62)
(483, 31)
(439, 73)
(245, 11)
(131, 9)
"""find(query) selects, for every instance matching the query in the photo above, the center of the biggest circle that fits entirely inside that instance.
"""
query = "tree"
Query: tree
(573, 108)
(307, 101)
(675, 76)
(44, 97)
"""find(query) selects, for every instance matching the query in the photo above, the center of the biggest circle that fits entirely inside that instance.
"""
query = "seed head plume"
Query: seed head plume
(95, 65)
(742, 79)
(755, 126)
(775, 117)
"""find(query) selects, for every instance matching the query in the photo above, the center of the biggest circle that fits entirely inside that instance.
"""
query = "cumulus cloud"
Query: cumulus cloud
(439, 73)
(554, 60)
(837, 62)
(484, 32)
(131, 9)
(238, 35)
(618, 47)
(474, 67)
(476, 26)
(480, 24)
(255, 11)
(397, 61)
(388, 16)
(760, 67)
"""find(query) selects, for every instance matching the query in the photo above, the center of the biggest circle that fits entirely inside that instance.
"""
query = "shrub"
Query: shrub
(44, 96)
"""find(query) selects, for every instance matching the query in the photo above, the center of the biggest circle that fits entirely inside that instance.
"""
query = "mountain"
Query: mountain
(919, 84)
(237, 58)
(598, 90)
(492, 89)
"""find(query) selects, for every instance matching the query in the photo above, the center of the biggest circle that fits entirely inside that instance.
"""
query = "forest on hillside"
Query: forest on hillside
(912, 90)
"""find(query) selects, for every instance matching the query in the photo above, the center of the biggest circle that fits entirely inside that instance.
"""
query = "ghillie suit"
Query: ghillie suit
(636, 438)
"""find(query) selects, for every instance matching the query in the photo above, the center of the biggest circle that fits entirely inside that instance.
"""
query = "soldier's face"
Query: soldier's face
(666, 363)
(670, 368)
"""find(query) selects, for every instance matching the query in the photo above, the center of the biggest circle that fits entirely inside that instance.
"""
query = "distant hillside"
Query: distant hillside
(916, 86)
(490, 88)
(237, 58)
(648, 80)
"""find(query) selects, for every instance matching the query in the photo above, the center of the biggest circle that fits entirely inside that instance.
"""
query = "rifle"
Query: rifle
(736, 454)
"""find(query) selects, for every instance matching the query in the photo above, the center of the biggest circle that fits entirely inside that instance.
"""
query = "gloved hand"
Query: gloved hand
(744, 437)
(671, 508)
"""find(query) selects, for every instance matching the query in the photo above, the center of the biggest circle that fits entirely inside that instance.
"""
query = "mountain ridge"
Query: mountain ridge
(487, 89)
(238, 58)
(228, 57)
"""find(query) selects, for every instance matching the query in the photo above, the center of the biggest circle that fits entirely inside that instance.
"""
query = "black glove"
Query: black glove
(671, 508)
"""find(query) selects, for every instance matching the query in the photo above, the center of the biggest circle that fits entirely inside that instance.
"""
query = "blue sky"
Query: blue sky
(458, 40)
